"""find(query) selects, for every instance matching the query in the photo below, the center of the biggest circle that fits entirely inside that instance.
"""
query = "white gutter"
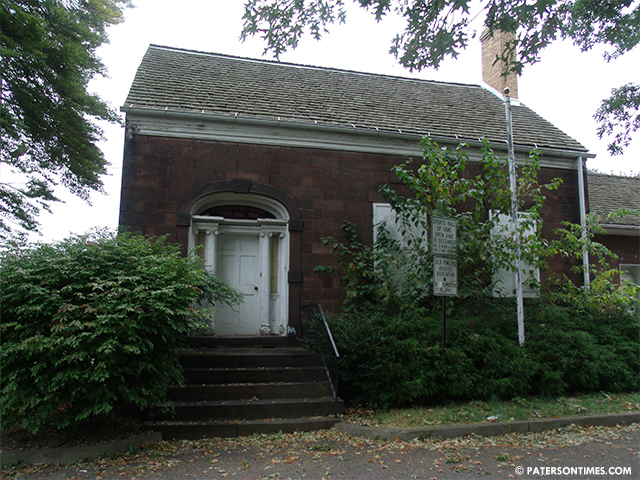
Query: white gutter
(314, 125)
(583, 220)
(618, 229)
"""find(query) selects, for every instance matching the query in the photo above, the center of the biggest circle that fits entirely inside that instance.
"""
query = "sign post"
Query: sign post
(444, 237)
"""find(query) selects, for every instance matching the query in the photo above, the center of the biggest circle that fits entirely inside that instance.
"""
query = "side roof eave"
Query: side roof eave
(267, 131)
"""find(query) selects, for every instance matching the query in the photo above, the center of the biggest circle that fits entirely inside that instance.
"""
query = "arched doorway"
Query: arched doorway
(243, 239)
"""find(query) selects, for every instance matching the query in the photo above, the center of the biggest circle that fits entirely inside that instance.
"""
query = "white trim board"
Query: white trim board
(234, 129)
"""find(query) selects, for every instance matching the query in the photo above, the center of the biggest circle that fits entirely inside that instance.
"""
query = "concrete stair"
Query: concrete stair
(242, 386)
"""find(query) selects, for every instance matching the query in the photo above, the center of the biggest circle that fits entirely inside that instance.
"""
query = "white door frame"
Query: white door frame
(273, 287)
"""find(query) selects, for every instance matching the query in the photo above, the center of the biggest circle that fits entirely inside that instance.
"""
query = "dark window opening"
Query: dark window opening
(237, 212)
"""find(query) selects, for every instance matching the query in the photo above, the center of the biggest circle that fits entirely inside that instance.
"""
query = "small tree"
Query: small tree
(441, 186)
(91, 323)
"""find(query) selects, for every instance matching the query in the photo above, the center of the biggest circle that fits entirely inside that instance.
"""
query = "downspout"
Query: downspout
(583, 220)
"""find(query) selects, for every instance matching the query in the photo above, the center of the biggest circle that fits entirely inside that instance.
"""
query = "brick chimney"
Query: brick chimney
(492, 47)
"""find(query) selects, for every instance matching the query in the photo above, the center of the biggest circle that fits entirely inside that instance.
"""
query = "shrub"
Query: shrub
(91, 323)
(587, 339)
(392, 357)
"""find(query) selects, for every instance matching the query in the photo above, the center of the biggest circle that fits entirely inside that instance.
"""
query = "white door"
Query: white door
(238, 265)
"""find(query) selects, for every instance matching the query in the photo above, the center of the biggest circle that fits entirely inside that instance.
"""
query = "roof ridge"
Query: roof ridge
(311, 67)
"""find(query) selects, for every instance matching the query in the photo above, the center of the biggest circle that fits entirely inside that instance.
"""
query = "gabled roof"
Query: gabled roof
(187, 81)
(608, 193)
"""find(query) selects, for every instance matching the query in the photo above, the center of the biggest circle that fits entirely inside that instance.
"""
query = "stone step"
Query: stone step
(247, 385)
(270, 341)
(202, 429)
(249, 409)
(233, 391)
(248, 358)
(255, 375)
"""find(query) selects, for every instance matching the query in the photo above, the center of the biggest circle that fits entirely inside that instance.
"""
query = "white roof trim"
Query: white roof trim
(264, 131)
(624, 230)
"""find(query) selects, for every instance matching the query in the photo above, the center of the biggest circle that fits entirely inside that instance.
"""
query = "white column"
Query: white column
(283, 286)
(210, 242)
(264, 287)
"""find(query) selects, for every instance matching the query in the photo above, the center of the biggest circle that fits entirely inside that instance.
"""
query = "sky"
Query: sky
(565, 87)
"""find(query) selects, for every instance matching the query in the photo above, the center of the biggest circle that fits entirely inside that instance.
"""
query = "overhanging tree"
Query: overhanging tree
(436, 30)
(48, 120)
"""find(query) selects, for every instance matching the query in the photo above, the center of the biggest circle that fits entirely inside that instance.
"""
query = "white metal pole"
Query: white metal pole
(514, 216)
(583, 220)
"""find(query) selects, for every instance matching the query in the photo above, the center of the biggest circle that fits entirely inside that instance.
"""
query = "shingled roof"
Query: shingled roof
(608, 193)
(187, 81)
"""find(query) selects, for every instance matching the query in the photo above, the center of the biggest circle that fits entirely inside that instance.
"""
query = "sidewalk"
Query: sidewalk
(490, 429)
(573, 452)
(74, 454)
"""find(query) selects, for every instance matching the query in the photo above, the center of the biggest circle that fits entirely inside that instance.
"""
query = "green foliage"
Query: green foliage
(394, 272)
(587, 340)
(91, 323)
(441, 187)
(577, 240)
(389, 332)
(48, 129)
(393, 357)
(618, 116)
(361, 282)
(436, 30)
(602, 295)
(286, 22)
(578, 339)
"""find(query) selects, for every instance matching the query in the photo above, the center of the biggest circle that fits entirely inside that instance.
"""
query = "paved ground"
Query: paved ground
(610, 452)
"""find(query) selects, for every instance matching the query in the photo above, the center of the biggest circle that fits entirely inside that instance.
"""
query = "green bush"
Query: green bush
(90, 324)
(586, 340)
(392, 357)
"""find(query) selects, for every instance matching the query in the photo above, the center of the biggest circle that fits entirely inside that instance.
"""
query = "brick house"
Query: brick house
(255, 161)
(608, 193)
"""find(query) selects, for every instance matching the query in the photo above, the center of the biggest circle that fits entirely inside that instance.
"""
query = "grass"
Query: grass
(500, 411)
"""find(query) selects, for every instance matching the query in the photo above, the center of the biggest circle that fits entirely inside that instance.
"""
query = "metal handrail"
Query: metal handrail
(329, 358)
(326, 326)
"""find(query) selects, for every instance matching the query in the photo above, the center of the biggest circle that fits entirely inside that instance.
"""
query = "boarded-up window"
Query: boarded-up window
(505, 278)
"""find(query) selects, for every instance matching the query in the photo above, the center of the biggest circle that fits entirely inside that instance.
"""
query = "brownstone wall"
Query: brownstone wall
(328, 186)
(627, 248)
(561, 205)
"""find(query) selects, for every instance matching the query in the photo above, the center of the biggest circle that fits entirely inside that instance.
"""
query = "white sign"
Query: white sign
(443, 236)
(445, 276)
